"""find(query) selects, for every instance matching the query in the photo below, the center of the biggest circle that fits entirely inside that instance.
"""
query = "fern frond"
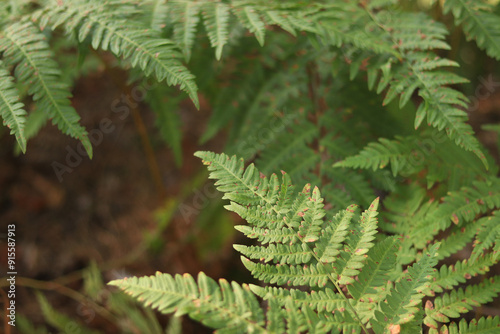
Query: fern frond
(333, 236)
(253, 195)
(316, 275)
(24, 47)
(216, 21)
(230, 307)
(359, 242)
(487, 325)
(440, 158)
(381, 259)
(379, 155)
(487, 235)
(400, 304)
(447, 277)
(478, 22)
(103, 24)
(452, 304)
(457, 239)
(266, 235)
(278, 253)
(460, 207)
(157, 13)
(419, 71)
(252, 21)
(11, 109)
(325, 300)
(185, 19)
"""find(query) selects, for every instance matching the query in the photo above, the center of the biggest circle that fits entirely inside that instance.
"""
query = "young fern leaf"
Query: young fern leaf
(400, 304)
(11, 109)
(365, 289)
(109, 30)
(24, 47)
(478, 23)
(359, 242)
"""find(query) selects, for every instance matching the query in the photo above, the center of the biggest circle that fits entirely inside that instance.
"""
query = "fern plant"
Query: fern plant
(363, 99)
(325, 273)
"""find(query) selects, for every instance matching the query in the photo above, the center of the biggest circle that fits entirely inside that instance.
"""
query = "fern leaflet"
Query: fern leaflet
(11, 109)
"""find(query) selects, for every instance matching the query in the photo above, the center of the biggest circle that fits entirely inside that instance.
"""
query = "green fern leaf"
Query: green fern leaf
(316, 275)
(487, 235)
(359, 243)
(24, 47)
(266, 235)
(460, 207)
(325, 300)
(11, 109)
(158, 11)
(379, 155)
(252, 21)
(381, 259)
(280, 253)
(216, 20)
(186, 18)
(104, 25)
(447, 277)
(487, 325)
(457, 239)
(230, 307)
(452, 304)
(400, 304)
(334, 235)
(411, 34)
(478, 23)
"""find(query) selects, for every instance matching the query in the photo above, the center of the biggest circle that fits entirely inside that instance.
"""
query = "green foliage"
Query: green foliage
(320, 254)
(478, 22)
(332, 93)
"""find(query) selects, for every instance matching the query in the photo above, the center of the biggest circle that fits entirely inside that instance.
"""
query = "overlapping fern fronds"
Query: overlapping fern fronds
(419, 70)
(479, 23)
(298, 247)
(25, 49)
(105, 24)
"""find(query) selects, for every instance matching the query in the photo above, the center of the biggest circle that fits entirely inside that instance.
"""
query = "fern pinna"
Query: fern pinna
(324, 273)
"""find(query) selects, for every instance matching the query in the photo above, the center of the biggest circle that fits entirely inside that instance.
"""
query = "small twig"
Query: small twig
(52, 286)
